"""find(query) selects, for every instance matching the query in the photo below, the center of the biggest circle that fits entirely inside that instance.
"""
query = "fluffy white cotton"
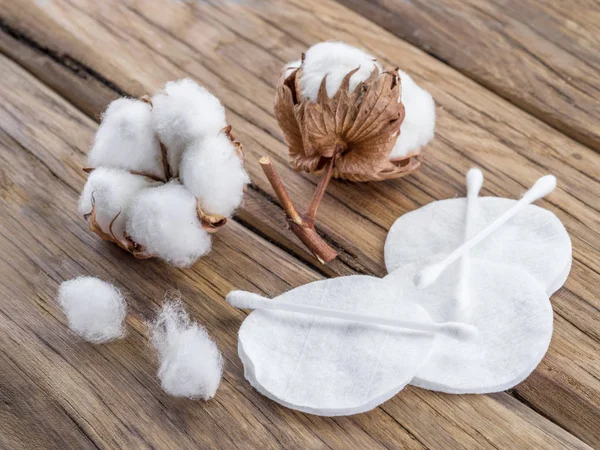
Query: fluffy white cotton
(334, 60)
(94, 308)
(290, 67)
(190, 362)
(126, 139)
(164, 221)
(212, 170)
(182, 113)
(111, 191)
(419, 121)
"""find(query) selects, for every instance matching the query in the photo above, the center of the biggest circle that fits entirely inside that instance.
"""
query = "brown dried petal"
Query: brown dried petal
(365, 123)
(285, 102)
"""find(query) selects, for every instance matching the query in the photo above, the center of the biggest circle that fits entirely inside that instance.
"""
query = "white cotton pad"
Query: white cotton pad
(534, 241)
(212, 170)
(94, 308)
(110, 191)
(418, 126)
(164, 221)
(333, 60)
(182, 113)
(333, 367)
(190, 363)
(126, 139)
(511, 312)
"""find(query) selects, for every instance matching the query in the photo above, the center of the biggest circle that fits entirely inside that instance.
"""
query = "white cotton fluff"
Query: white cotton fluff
(212, 170)
(290, 67)
(94, 308)
(164, 221)
(111, 191)
(419, 121)
(126, 139)
(182, 113)
(190, 362)
(334, 60)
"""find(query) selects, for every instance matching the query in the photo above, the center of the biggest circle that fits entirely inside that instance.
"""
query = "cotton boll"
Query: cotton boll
(419, 121)
(183, 113)
(111, 192)
(164, 221)
(334, 60)
(190, 362)
(212, 170)
(94, 308)
(126, 139)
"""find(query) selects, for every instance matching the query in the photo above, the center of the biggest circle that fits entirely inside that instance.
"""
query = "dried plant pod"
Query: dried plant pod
(192, 119)
(363, 123)
(342, 116)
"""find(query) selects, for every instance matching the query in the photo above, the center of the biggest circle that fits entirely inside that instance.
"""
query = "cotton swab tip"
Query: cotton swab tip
(427, 276)
(474, 180)
(541, 188)
(240, 299)
(460, 331)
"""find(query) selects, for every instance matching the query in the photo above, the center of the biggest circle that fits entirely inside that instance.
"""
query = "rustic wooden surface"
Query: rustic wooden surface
(541, 55)
(64, 60)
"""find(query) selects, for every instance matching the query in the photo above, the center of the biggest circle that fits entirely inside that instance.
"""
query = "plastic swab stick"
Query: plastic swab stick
(248, 300)
(540, 189)
(474, 183)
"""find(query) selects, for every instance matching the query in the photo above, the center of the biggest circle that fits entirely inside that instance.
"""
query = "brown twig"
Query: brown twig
(302, 226)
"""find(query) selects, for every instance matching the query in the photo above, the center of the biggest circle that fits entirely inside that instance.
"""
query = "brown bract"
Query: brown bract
(363, 125)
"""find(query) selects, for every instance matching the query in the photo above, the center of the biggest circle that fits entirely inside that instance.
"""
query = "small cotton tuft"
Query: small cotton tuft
(212, 170)
(334, 60)
(164, 221)
(111, 192)
(126, 139)
(418, 125)
(94, 308)
(190, 363)
(183, 113)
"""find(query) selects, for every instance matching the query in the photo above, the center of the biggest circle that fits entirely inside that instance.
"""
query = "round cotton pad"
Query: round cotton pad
(512, 313)
(329, 366)
(534, 240)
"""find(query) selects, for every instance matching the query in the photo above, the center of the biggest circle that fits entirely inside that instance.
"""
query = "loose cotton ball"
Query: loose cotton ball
(190, 362)
(164, 221)
(94, 308)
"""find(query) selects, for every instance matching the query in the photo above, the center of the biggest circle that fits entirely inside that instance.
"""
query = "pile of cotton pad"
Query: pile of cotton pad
(165, 172)
(464, 309)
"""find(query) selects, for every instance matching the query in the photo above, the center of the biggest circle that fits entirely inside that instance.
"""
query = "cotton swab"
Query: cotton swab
(474, 183)
(540, 189)
(247, 300)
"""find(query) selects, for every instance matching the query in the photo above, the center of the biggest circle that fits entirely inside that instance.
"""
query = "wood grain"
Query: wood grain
(236, 51)
(39, 200)
(541, 55)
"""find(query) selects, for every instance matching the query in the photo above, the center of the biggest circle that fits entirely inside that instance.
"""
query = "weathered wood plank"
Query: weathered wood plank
(111, 391)
(233, 50)
(540, 55)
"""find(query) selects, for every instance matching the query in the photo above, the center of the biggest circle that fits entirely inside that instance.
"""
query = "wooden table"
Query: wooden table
(517, 87)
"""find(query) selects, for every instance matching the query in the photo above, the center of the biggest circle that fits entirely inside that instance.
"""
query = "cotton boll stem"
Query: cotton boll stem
(303, 226)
